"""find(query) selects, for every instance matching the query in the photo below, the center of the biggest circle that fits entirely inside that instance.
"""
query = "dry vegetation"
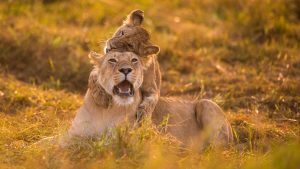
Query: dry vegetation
(245, 55)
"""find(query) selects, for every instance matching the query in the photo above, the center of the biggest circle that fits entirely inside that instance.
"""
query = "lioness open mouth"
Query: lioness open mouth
(124, 89)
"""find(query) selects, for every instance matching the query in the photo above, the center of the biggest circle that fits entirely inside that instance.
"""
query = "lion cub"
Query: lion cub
(132, 37)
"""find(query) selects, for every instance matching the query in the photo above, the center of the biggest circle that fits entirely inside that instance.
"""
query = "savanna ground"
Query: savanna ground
(245, 55)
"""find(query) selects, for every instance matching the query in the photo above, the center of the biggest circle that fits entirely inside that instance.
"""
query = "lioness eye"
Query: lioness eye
(122, 32)
(134, 60)
(112, 60)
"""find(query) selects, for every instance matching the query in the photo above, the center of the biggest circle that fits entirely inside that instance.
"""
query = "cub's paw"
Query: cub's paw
(140, 114)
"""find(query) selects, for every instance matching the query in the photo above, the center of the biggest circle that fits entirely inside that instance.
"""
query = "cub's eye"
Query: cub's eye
(120, 33)
(134, 60)
(112, 60)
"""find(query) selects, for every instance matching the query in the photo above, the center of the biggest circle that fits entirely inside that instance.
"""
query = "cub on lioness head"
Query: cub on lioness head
(132, 37)
(195, 123)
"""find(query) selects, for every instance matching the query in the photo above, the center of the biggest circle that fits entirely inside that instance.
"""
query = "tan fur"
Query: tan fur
(194, 123)
(132, 37)
(93, 118)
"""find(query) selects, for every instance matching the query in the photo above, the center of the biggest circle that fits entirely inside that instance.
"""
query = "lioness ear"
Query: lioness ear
(135, 18)
(149, 50)
(95, 57)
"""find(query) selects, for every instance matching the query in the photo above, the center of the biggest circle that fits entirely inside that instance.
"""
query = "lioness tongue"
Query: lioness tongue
(124, 87)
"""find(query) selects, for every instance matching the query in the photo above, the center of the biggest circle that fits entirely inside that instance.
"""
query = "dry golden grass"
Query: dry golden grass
(245, 55)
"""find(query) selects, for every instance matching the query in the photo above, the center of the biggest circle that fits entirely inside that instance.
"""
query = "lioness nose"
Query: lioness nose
(125, 70)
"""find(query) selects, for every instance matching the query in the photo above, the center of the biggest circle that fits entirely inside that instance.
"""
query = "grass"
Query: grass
(243, 55)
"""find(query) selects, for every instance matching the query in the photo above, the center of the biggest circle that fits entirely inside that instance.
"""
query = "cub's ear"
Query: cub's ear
(95, 58)
(135, 18)
(149, 50)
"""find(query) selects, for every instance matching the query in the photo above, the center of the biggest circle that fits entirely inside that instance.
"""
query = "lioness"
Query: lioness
(132, 37)
(120, 77)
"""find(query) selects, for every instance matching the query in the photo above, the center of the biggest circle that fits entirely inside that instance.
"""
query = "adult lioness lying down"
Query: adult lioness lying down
(120, 76)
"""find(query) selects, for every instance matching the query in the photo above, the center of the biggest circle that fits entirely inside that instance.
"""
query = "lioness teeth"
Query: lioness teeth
(123, 90)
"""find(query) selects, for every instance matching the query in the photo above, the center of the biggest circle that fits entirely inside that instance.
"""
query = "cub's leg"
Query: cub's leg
(213, 123)
(150, 89)
(147, 106)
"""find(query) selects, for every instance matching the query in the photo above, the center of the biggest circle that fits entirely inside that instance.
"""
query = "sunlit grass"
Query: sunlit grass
(243, 55)
(30, 114)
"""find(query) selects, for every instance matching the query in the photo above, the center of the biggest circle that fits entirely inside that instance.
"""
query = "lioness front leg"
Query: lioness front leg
(211, 119)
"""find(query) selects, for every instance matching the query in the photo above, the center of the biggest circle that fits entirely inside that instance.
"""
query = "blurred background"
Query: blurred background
(243, 54)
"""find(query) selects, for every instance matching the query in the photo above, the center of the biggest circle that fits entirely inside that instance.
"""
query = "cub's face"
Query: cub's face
(129, 34)
(132, 37)
(128, 38)
(120, 74)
